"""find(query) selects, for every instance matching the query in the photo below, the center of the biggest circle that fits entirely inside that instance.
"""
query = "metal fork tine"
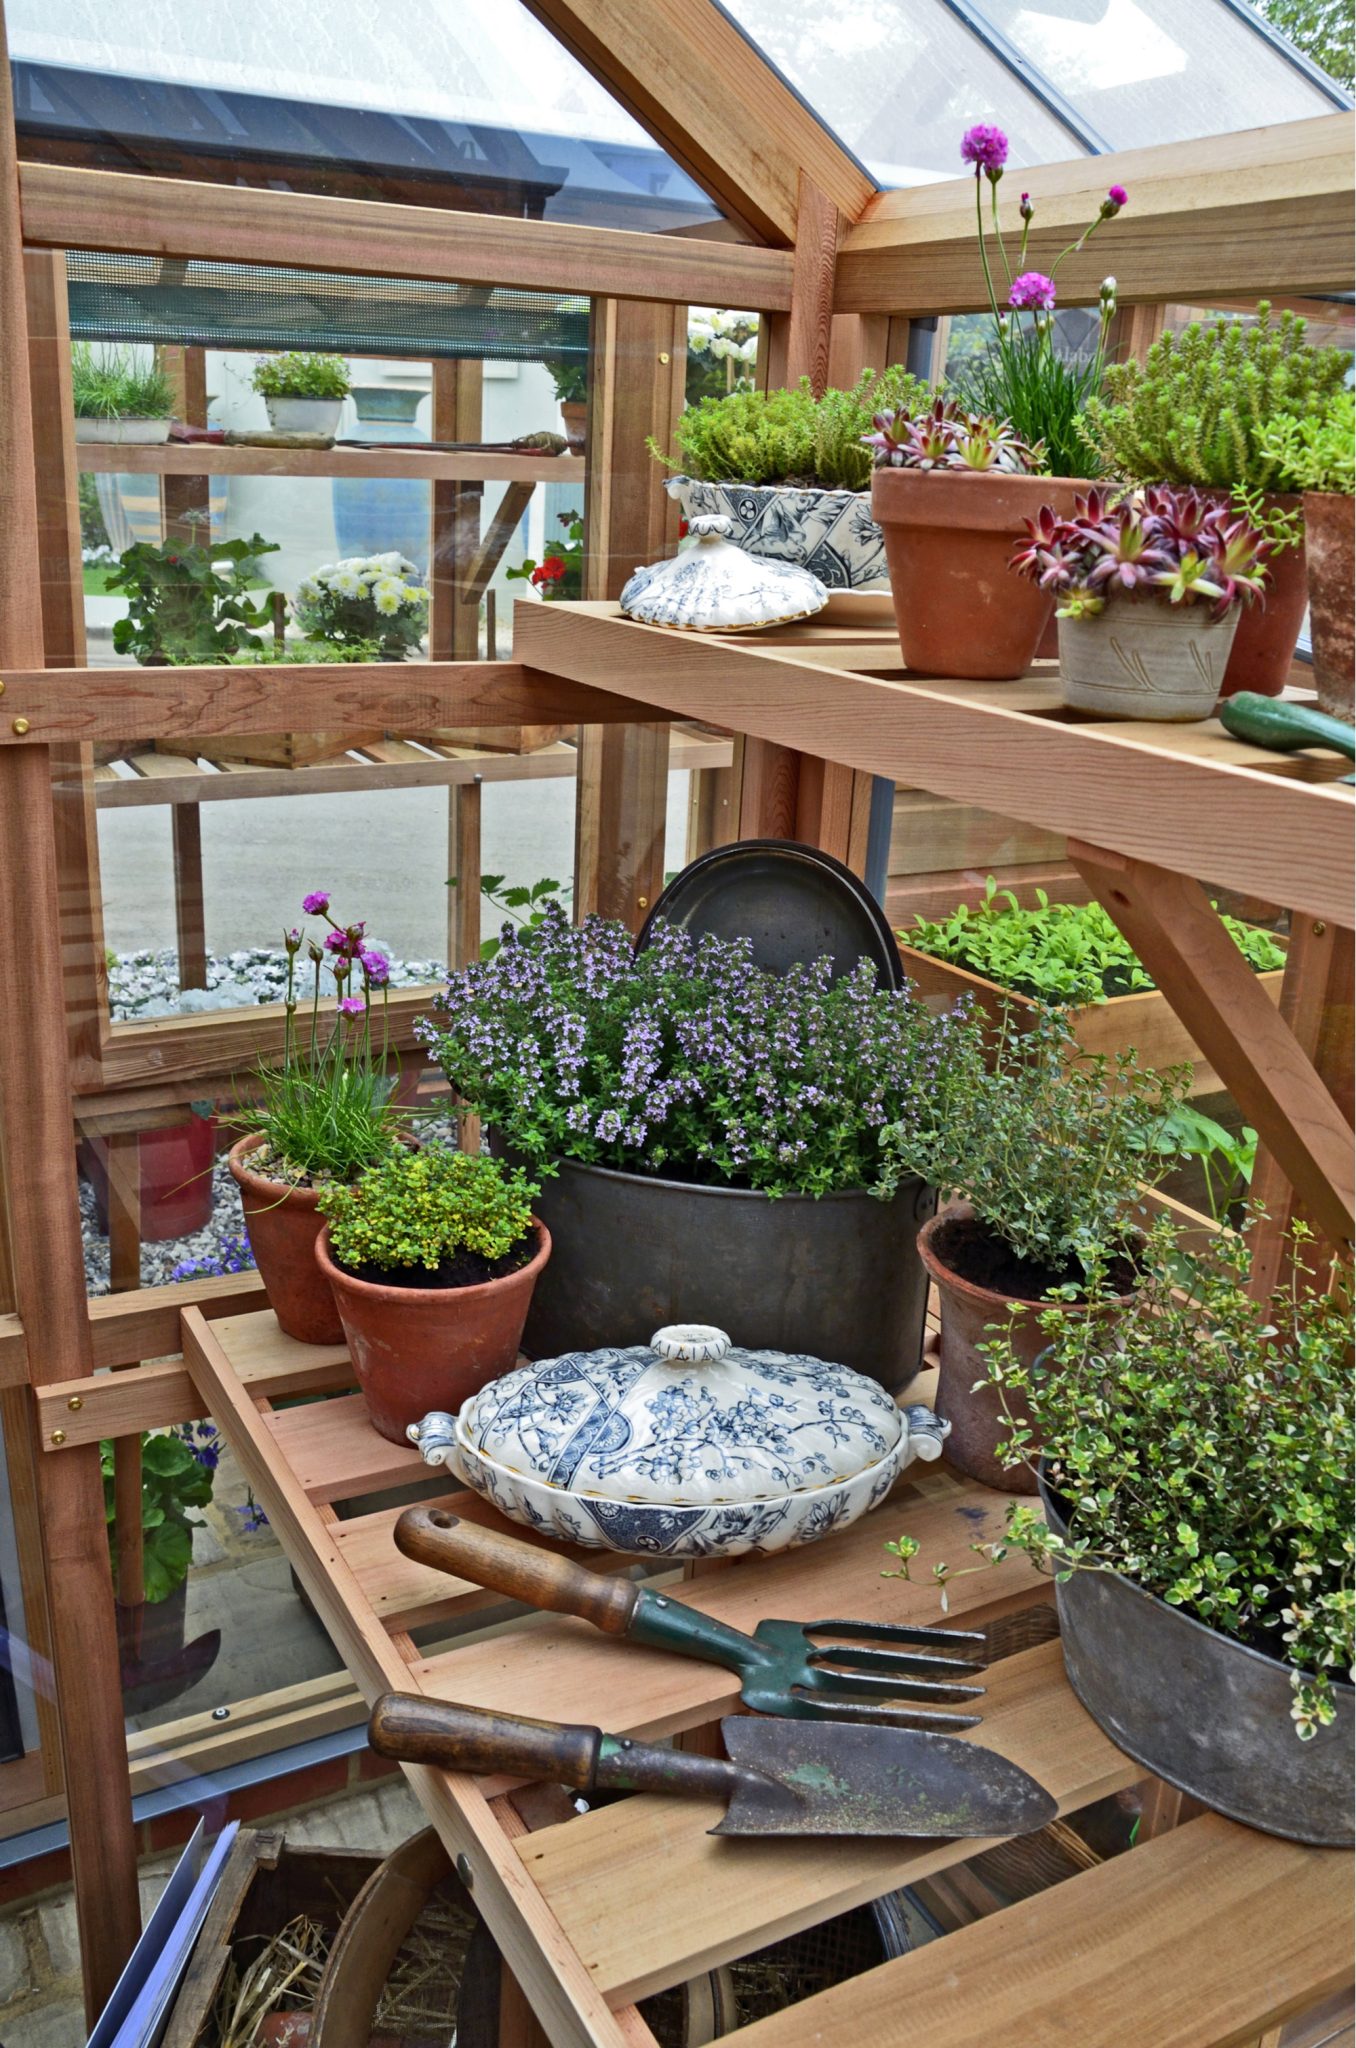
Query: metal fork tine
(871, 1688)
(891, 1632)
(921, 1664)
(822, 1708)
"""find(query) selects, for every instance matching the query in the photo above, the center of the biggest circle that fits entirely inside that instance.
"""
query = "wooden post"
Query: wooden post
(186, 501)
(454, 536)
(40, 1192)
(190, 910)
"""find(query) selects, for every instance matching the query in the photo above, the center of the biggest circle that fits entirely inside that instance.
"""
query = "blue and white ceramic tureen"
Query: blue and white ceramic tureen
(686, 1447)
(715, 587)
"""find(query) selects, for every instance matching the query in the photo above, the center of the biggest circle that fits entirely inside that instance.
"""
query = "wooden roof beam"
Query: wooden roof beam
(688, 75)
(1243, 215)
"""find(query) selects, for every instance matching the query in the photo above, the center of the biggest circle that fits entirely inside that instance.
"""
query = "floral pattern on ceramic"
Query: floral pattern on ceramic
(715, 587)
(687, 1447)
(830, 533)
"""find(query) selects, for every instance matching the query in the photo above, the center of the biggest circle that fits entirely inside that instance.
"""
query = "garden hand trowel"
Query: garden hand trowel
(783, 1777)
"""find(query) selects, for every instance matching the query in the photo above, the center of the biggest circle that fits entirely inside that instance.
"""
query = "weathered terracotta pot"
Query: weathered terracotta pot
(283, 1225)
(1145, 658)
(1264, 646)
(968, 1314)
(419, 1348)
(575, 413)
(948, 538)
(1330, 543)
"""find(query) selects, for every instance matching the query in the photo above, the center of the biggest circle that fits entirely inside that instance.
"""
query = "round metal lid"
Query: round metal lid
(688, 1419)
(794, 902)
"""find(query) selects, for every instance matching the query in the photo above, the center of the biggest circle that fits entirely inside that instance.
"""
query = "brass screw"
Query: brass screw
(642, 903)
(1319, 928)
(21, 726)
(75, 1402)
(663, 355)
(465, 1872)
(2, 687)
(58, 1436)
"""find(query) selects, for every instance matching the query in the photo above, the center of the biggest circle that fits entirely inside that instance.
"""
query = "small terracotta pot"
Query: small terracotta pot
(1330, 543)
(968, 1314)
(419, 1348)
(283, 1224)
(575, 413)
(1145, 658)
(961, 611)
(1264, 646)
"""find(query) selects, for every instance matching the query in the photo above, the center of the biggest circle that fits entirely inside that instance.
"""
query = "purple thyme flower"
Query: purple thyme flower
(986, 148)
(316, 903)
(1033, 291)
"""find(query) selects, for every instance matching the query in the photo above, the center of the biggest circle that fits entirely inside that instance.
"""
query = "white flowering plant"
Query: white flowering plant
(365, 598)
(722, 349)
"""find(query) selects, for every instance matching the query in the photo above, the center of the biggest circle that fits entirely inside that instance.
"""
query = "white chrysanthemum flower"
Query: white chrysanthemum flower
(414, 593)
(388, 596)
(308, 590)
(347, 584)
(747, 352)
(393, 563)
(721, 347)
(324, 572)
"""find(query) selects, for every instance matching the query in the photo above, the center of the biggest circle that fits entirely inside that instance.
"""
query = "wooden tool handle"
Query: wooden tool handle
(416, 1730)
(524, 1572)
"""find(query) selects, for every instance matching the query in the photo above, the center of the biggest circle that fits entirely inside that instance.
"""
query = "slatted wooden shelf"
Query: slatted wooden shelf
(1197, 1939)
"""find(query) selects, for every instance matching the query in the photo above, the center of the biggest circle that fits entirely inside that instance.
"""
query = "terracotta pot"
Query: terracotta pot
(283, 1225)
(575, 414)
(968, 1313)
(419, 1348)
(948, 538)
(1145, 658)
(1330, 543)
(1264, 646)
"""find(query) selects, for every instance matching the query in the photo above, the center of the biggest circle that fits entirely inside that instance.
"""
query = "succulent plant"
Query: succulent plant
(788, 437)
(948, 437)
(1317, 453)
(1170, 544)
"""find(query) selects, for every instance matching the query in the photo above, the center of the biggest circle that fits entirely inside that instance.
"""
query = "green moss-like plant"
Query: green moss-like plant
(423, 1208)
(1318, 454)
(300, 374)
(1199, 408)
(790, 437)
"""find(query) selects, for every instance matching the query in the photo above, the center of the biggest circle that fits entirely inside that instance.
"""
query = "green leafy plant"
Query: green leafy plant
(1318, 452)
(1198, 408)
(114, 384)
(1057, 952)
(307, 652)
(1226, 1159)
(423, 1209)
(300, 374)
(1048, 1144)
(178, 1472)
(1203, 1445)
(524, 906)
(789, 437)
(560, 573)
(1042, 392)
(189, 603)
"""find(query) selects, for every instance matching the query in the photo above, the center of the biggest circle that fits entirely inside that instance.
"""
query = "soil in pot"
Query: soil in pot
(1330, 544)
(283, 1223)
(978, 1277)
(417, 1347)
(949, 537)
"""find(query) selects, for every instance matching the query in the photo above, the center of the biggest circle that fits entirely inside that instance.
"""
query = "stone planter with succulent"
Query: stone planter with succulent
(1203, 410)
(1318, 454)
(1150, 592)
(303, 390)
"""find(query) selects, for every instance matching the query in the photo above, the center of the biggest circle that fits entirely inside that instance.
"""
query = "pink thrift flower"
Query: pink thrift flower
(336, 942)
(984, 147)
(352, 1006)
(1118, 196)
(377, 965)
(1033, 291)
(316, 903)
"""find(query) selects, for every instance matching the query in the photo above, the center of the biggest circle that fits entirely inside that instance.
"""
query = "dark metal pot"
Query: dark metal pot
(836, 1277)
(1201, 1709)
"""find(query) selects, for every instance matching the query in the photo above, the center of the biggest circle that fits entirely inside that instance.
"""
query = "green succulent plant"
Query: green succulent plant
(1199, 408)
(1318, 453)
(790, 436)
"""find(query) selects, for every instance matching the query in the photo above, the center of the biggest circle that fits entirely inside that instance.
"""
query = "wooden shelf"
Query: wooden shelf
(599, 1910)
(214, 458)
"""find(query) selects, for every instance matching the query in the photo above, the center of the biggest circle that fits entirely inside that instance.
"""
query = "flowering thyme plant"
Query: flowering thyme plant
(685, 1060)
(1020, 377)
(947, 437)
(1174, 545)
(1202, 1443)
(365, 598)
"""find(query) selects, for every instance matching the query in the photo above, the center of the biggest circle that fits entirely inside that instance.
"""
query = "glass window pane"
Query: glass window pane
(467, 103)
(1144, 71)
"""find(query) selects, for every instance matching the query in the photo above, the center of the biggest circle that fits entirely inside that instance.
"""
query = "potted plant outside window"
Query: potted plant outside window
(790, 471)
(1150, 592)
(1197, 412)
(365, 599)
(178, 1473)
(1319, 455)
(707, 1135)
(431, 1257)
(303, 391)
(117, 396)
(1048, 1147)
(1197, 1515)
(324, 1116)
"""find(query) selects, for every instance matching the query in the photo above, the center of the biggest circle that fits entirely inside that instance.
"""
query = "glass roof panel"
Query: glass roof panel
(1145, 71)
(320, 93)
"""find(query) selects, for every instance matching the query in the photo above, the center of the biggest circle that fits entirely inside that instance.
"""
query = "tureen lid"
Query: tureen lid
(716, 587)
(688, 1418)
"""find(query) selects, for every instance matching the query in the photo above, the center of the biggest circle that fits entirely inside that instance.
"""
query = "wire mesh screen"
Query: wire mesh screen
(236, 305)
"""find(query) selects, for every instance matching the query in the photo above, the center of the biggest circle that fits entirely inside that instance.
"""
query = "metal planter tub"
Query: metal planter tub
(836, 1277)
(830, 533)
(1202, 1710)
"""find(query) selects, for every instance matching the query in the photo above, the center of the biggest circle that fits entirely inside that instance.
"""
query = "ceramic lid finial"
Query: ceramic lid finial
(710, 526)
(690, 1343)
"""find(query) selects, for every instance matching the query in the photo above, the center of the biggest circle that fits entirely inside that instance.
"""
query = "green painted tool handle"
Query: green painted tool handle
(1270, 722)
(667, 1624)
(522, 1571)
